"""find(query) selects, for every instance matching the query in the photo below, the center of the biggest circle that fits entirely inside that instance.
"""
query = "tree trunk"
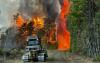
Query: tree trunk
(92, 44)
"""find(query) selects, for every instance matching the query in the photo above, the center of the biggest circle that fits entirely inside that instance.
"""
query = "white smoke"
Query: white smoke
(7, 9)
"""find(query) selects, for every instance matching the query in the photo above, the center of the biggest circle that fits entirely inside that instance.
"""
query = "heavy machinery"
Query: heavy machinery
(34, 50)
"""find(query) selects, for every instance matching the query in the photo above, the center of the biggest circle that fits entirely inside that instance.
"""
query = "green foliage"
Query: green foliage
(79, 25)
(1, 51)
(77, 14)
(97, 58)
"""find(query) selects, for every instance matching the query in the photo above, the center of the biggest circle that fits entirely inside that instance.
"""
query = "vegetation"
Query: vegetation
(83, 23)
(75, 20)
(97, 58)
(1, 51)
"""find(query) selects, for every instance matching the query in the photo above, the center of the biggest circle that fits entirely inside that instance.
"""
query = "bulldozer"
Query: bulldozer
(34, 50)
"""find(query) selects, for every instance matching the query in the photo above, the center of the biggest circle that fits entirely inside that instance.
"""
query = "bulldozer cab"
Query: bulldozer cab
(32, 42)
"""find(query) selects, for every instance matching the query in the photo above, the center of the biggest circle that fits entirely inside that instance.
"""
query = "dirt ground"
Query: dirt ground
(54, 57)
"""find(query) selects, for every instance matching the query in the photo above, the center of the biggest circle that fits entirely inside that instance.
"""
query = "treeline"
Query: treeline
(84, 25)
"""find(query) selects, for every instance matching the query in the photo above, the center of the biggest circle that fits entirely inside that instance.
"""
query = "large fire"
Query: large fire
(36, 23)
(63, 35)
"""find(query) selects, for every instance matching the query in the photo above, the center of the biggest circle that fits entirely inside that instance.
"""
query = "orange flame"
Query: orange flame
(65, 9)
(63, 36)
(19, 21)
(29, 26)
(38, 22)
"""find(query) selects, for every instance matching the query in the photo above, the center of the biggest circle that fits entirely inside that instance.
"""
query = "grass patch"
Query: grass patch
(97, 58)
